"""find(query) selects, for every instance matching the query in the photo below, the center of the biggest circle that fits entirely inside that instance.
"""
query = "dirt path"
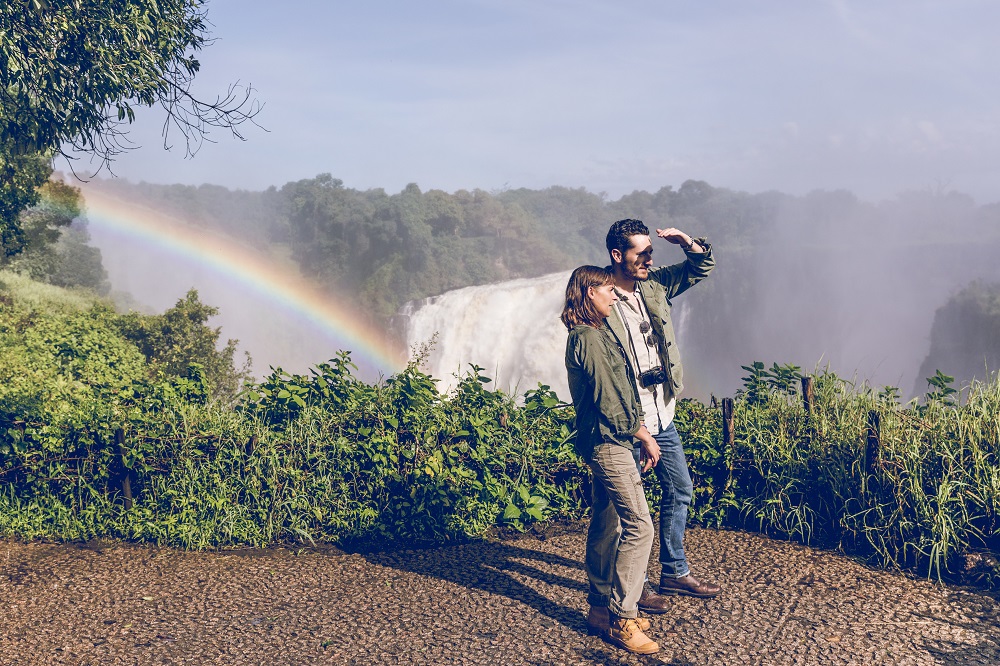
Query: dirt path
(514, 602)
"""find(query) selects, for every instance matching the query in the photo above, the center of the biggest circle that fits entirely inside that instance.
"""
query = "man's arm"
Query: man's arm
(698, 263)
(678, 237)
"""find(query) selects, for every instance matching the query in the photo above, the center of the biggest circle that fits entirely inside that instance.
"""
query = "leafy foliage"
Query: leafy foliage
(179, 337)
(72, 72)
(760, 381)
(324, 456)
(941, 388)
(21, 176)
(77, 263)
(41, 226)
(914, 486)
(53, 243)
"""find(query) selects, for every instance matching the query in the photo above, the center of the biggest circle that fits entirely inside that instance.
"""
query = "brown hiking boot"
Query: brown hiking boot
(625, 633)
(598, 621)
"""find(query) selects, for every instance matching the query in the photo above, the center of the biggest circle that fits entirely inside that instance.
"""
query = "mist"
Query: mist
(858, 292)
(150, 277)
(824, 281)
(821, 280)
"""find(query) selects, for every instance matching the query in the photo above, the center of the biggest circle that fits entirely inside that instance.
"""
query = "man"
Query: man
(641, 320)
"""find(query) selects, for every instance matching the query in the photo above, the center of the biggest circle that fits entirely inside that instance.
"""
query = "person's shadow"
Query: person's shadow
(488, 565)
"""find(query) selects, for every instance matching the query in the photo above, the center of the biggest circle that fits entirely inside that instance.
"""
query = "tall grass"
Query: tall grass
(925, 497)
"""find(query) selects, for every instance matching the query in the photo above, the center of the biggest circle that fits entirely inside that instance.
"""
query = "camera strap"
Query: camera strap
(635, 354)
(631, 342)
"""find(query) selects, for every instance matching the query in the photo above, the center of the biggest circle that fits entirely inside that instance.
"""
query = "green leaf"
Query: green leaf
(511, 512)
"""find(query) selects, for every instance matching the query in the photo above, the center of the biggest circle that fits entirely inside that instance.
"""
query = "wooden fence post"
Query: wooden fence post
(728, 440)
(728, 437)
(808, 394)
(125, 474)
(251, 445)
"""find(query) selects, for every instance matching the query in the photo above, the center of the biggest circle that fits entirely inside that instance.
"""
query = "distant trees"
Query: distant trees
(965, 336)
(386, 249)
(20, 177)
(79, 264)
(800, 275)
(41, 225)
(53, 242)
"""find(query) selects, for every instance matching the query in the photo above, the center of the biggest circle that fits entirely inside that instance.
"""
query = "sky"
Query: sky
(875, 97)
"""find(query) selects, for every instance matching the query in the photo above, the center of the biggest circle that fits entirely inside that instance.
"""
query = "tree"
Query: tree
(40, 228)
(180, 337)
(78, 263)
(72, 72)
(20, 179)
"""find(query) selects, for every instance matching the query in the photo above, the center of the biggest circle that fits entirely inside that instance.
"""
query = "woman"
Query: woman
(608, 419)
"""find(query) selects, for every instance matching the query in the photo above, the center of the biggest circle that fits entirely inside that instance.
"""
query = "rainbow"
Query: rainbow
(247, 266)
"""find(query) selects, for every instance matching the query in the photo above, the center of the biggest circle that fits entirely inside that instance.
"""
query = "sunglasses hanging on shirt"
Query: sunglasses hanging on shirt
(644, 329)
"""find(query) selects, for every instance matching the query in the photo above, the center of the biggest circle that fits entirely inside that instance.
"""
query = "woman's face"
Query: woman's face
(603, 297)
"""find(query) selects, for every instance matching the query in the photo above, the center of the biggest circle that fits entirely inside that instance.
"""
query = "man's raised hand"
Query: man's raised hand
(675, 236)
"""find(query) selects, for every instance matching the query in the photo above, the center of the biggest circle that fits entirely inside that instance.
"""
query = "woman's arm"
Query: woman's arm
(612, 391)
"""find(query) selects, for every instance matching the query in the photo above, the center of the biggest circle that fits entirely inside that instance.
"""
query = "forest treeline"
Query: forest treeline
(387, 249)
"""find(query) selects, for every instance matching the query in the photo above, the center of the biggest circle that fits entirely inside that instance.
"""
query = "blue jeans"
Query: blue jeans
(676, 491)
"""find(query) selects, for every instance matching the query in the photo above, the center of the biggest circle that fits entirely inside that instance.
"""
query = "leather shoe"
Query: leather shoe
(653, 603)
(689, 586)
(599, 621)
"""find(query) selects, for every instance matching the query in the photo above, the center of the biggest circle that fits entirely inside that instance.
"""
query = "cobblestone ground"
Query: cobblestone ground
(512, 602)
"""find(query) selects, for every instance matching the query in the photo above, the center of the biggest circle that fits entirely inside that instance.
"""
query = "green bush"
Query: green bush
(324, 456)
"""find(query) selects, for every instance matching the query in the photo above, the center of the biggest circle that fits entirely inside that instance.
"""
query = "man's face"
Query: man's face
(638, 258)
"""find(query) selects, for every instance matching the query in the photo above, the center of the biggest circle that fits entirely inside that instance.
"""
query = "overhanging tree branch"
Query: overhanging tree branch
(72, 71)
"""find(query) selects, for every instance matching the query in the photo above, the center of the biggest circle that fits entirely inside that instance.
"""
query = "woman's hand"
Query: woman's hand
(650, 450)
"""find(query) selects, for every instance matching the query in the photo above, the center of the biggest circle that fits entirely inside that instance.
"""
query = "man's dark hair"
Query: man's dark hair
(621, 231)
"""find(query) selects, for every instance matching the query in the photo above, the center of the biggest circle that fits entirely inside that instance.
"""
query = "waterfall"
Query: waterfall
(511, 329)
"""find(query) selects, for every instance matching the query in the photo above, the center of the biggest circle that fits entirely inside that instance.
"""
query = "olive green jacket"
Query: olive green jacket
(663, 284)
(602, 384)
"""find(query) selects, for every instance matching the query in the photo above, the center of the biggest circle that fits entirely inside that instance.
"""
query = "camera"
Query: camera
(653, 377)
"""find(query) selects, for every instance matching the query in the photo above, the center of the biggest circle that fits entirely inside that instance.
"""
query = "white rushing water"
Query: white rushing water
(511, 329)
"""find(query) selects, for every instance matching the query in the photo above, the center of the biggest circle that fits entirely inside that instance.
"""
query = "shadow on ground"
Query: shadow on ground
(491, 570)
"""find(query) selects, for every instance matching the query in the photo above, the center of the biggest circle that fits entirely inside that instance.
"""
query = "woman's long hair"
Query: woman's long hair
(579, 309)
